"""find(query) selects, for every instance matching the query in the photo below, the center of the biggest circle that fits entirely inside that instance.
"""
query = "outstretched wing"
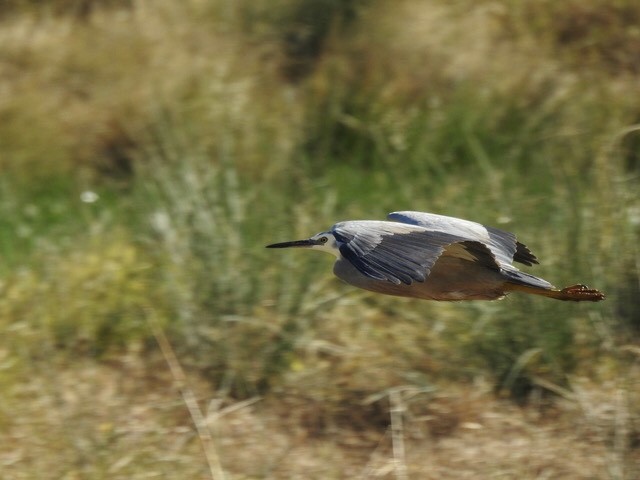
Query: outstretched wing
(503, 245)
(395, 252)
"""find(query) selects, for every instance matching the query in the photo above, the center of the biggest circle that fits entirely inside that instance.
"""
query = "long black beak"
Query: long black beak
(295, 243)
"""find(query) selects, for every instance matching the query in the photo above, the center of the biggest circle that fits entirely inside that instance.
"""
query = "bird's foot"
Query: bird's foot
(581, 292)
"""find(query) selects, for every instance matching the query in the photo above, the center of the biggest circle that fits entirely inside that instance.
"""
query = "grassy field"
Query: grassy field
(150, 149)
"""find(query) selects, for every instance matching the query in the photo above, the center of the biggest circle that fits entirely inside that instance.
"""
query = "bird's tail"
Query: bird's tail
(523, 282)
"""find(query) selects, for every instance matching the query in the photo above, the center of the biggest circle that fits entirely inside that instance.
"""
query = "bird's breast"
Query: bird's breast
(450, 279)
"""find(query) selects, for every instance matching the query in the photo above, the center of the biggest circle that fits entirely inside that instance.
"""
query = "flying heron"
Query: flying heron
(434, 257)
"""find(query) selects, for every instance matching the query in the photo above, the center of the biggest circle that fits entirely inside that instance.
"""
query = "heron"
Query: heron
(434, 257)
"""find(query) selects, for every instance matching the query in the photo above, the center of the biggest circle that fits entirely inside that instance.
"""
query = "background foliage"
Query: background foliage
(151, 149)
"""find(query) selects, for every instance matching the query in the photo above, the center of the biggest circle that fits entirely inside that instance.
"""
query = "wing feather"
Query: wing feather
(391, 251)
(502, 244)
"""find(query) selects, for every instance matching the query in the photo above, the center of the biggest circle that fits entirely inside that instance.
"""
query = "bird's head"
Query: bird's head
(323, 241)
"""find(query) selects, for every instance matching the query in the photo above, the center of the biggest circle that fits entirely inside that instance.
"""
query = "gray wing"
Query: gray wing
(392, 252)
(503, 245)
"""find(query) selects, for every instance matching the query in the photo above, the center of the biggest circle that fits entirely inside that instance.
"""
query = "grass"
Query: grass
(206, 130)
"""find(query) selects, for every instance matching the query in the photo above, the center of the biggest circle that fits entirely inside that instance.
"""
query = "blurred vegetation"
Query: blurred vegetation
(151, 149)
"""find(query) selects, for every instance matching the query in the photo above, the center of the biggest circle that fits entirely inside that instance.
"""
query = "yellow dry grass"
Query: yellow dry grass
(125, 419)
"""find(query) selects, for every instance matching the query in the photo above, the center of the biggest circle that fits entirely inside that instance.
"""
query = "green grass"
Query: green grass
(207, 134)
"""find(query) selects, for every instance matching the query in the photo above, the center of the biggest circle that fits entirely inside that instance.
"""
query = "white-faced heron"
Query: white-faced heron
(434, 257)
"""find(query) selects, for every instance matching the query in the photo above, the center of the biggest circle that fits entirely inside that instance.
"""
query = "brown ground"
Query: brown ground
(127, 420)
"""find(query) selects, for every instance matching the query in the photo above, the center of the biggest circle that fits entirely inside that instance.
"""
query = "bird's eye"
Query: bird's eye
(323, 239)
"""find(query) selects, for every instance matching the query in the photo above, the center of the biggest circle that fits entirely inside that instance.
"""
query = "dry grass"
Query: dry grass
(68, 104)
(127, 420)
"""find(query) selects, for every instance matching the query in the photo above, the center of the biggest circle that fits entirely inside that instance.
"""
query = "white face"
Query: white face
(326, 243)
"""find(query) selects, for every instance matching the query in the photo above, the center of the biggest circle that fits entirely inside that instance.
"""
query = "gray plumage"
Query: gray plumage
(435, 257)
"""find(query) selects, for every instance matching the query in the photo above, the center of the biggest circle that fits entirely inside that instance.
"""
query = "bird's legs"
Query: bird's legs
(575, 293)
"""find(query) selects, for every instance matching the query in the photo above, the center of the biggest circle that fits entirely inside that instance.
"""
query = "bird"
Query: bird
(434, 257)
